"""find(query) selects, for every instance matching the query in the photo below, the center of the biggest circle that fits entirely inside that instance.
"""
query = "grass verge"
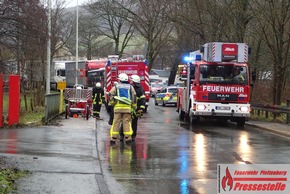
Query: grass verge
(8, 178)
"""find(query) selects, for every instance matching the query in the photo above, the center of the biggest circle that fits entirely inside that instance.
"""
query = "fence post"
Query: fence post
(1, 99)
(14, 99)
(288, 115)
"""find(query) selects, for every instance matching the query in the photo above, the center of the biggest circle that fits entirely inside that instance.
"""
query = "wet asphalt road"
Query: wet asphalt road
(170, 156)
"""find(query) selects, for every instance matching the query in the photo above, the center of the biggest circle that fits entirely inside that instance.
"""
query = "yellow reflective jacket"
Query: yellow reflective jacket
(125, 98)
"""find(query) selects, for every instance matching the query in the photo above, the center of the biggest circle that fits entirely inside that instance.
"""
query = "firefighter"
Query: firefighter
(140, 99)
(124, 97)
(98, 98)
(236, 74)
(112, 103)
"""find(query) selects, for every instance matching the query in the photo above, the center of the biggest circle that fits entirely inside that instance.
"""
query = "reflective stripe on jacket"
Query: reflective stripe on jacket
(125, 97)
(98, 95)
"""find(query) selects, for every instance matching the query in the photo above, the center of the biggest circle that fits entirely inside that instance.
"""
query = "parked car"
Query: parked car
(156, 87)
(166, 96)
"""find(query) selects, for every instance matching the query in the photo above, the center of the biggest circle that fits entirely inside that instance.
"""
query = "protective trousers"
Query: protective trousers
(134, 128)
(125, 118)
(97, 109)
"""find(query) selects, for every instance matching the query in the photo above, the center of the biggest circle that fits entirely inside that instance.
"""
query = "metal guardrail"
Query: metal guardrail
(52, 109)
(274, 109)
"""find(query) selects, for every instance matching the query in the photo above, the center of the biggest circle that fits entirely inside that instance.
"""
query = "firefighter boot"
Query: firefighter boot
(113, 140)
(128, 140)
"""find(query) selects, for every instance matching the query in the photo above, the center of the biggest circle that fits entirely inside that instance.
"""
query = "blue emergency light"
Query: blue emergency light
(187, 59)
(197, 57)
(108, 63)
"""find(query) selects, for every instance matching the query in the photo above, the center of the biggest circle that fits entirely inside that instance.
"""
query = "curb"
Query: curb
(272, 131)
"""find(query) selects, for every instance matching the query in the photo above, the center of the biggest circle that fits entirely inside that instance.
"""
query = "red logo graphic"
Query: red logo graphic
(229, 49)
(227, 180)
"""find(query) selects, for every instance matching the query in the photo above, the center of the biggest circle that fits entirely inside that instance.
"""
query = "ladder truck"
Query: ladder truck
(217, 84)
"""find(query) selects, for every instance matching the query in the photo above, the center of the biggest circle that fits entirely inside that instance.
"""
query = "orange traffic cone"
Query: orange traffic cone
(75, 116)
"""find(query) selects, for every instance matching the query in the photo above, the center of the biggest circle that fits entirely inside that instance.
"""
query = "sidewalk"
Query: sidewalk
(281, 129)
(62, 158)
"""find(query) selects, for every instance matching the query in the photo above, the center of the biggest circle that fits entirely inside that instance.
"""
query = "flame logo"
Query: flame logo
(227, 180)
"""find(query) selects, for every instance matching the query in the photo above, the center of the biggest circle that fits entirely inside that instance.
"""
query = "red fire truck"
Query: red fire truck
(217, 84)
(132, 66)
(95, 71)
(89, 72)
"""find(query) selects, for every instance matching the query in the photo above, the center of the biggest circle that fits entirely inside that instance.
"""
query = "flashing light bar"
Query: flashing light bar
(195, 57)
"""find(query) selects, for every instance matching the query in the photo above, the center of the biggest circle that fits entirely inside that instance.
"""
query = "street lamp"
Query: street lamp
(77, 41)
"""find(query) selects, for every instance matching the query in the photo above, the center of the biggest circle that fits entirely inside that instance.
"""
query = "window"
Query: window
(157, 85)
(223, 74)
(172, 90)
(60, 72)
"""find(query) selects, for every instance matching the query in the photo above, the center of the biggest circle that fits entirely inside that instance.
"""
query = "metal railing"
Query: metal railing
(271, 110)
(52, 109)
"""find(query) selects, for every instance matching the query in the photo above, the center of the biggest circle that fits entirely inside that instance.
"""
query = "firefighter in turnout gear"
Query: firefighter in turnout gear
(124, 97)
(141, 100)
(98, 98)
(112, 103)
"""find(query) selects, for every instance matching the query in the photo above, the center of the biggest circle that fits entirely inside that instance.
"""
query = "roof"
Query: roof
(159, 72)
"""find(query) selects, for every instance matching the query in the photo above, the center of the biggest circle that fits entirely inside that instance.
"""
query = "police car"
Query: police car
(167, 95)
(155, 88)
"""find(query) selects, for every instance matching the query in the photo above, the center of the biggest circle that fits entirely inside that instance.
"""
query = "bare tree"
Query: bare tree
(273, 19)
(188, 34)
(149, 17)
(61, 28)
(112, 22)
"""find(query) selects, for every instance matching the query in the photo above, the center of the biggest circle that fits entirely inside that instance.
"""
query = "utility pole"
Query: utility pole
(48, 60)
(77, 42)
(48, 49)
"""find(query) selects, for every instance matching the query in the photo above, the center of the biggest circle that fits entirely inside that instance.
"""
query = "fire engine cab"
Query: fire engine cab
(135, 65)
(217, 84)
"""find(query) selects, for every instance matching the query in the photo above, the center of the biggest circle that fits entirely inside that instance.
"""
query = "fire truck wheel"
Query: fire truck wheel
(194, 120)
(155, 102)
(87, 112)
(181, 115)
(163, 104)
(241, 122)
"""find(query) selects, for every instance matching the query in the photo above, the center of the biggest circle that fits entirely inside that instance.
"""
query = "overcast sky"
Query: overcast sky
(73, 3)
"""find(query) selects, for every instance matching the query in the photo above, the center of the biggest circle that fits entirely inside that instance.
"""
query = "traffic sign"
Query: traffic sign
(61, 85)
